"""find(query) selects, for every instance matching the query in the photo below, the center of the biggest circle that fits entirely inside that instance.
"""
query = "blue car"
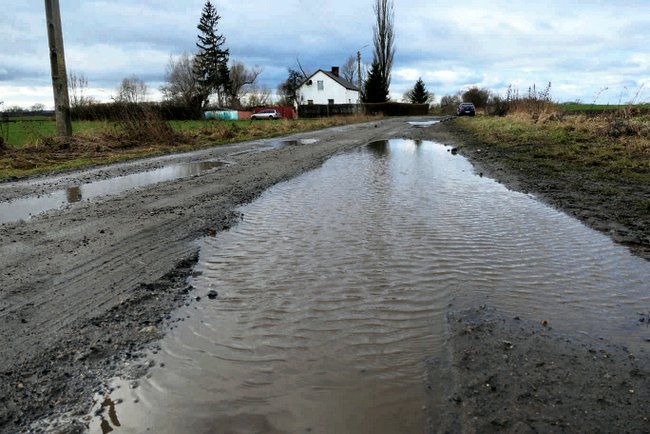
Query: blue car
(466, 109)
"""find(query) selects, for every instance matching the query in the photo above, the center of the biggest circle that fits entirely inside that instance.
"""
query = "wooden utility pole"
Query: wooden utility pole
(57, 63)
(359, 68)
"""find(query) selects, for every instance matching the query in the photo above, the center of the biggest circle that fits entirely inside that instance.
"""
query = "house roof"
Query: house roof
(340, 80)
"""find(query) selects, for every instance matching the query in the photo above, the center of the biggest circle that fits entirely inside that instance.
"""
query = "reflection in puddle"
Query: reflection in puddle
(73, 194)
(27, 207)
(333, 294)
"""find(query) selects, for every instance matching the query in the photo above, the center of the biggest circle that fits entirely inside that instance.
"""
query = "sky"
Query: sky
(589, 50)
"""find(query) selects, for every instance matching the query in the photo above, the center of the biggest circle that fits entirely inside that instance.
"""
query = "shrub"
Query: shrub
(478, 97)
(140, 123)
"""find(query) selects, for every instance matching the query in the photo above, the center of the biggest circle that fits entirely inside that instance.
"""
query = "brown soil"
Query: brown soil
(85, 289)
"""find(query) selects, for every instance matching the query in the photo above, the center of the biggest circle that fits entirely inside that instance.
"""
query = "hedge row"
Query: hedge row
(116, 111)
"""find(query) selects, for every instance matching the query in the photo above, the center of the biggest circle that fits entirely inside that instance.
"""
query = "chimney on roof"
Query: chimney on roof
(335, 70)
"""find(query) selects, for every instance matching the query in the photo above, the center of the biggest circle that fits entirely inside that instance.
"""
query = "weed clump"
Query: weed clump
(627, 122)
(536, 104)
(139, 124)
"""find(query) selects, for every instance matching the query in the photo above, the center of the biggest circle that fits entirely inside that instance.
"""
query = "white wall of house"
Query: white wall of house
(324, 90)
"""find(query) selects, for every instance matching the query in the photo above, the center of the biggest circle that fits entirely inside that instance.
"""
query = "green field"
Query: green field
(22, 132)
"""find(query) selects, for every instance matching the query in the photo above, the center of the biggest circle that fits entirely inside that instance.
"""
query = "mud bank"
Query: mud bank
(85, 289)
(515, 375)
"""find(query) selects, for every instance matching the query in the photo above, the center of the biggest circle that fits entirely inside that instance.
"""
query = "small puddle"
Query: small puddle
(27, 207)
(422, 124)
(283, 143)
(334, 289)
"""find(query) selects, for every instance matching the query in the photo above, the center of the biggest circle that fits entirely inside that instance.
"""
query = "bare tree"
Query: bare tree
(37, 107)
(349, 69)
(448, 103)
(182, 83)
(77, 87)
(305, 73)
(14, 109)
(132, 90)
(258, 95)
(479, 97)
(384, 38)
(242, 80)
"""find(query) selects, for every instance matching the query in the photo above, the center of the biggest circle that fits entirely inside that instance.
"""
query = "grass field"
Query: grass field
(24, 132)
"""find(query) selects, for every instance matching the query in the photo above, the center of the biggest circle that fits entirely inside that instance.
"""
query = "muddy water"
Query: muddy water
(27, 207)
(333, 291)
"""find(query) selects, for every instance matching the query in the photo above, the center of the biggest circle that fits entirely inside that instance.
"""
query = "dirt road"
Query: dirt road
(84, 288)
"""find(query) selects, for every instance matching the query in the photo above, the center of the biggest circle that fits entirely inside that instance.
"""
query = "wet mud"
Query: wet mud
(519, 376)
(86, 289)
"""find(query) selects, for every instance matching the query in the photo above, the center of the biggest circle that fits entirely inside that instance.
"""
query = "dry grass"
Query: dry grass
(603, 146)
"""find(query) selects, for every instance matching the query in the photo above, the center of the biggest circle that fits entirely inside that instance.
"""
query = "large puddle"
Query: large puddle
(27, 207)
(333, 291)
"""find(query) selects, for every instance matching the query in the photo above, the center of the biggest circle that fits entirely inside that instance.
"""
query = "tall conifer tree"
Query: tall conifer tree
(419, 93)
(211, 63)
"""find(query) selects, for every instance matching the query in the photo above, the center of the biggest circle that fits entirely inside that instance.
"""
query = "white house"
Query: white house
(327, 87)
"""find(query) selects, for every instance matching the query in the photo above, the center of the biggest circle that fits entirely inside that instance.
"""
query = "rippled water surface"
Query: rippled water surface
(333, 293)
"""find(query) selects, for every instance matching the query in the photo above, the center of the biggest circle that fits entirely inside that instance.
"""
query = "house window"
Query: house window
(310, 102)
(330, 101)
(320, 85)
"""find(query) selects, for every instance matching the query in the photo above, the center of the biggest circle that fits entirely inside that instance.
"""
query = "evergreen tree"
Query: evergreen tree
(211, 63)
(419, 93)
(376, 88)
